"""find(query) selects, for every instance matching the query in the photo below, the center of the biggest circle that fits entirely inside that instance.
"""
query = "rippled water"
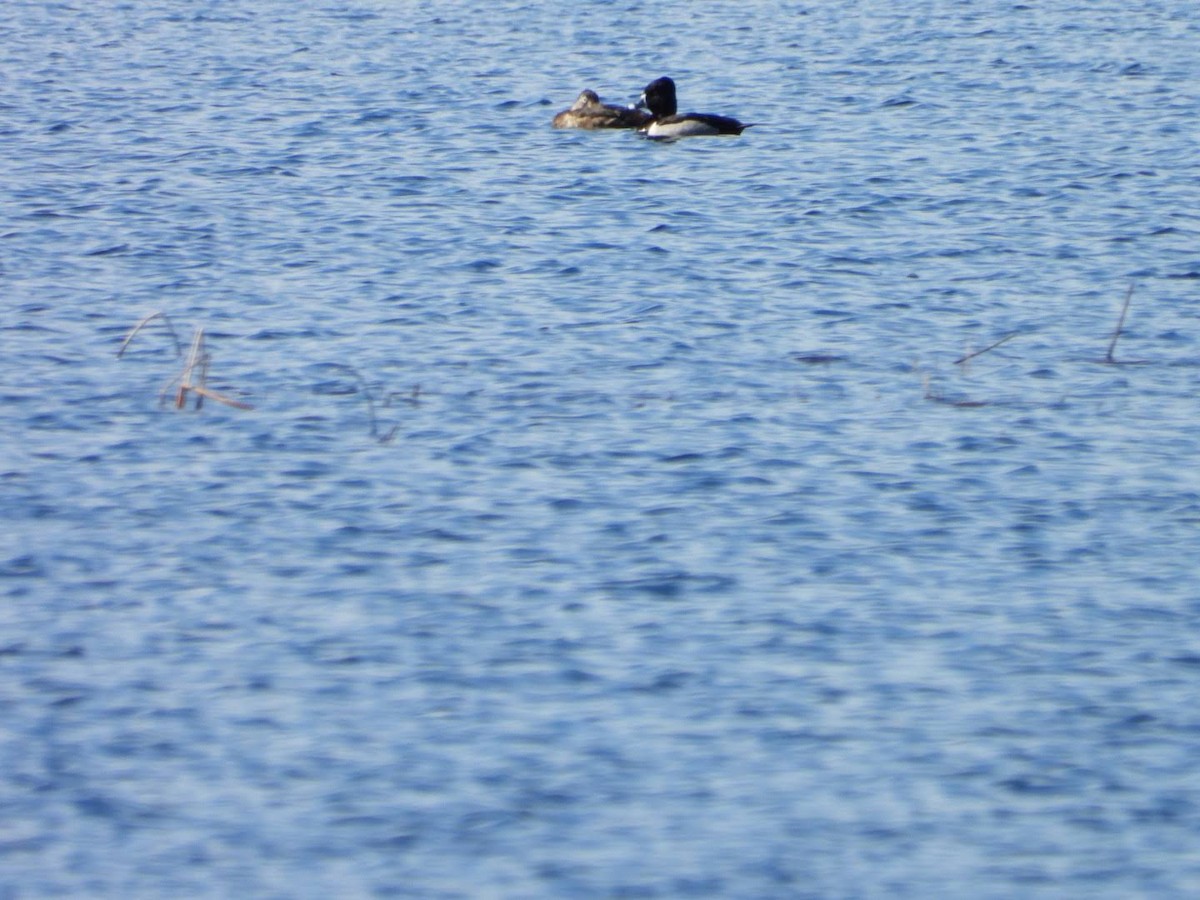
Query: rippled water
(613, 518)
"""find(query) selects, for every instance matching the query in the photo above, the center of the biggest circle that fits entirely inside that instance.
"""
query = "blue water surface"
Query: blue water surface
(612, 518)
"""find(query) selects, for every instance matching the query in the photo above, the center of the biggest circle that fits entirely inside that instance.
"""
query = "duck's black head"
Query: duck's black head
(659, 97)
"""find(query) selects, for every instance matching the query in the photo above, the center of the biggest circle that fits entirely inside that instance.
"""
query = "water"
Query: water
(613, 518)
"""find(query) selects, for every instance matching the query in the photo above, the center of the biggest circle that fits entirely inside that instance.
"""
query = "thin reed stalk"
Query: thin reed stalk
(1112, 345)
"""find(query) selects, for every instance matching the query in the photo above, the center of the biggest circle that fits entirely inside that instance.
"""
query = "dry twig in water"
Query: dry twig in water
(970, 356)
(143, 323)
(194, 379)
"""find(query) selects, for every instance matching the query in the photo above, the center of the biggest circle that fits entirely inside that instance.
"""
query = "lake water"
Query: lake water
(613, 518)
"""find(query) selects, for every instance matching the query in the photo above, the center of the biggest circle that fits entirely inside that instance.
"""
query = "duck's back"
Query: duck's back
(589, 113)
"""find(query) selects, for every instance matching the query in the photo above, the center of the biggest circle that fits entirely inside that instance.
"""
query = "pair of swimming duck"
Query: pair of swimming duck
(655, 115)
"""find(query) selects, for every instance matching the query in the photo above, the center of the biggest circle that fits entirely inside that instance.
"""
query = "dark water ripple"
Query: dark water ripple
(613, 518)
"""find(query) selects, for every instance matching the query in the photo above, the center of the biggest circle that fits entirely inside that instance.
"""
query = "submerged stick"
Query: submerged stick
(1112, 345)
(969, 356)
(936, 396)
(365, 390)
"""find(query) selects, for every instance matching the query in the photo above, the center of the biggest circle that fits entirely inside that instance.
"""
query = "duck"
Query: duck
(588, 112)
(659, 98)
